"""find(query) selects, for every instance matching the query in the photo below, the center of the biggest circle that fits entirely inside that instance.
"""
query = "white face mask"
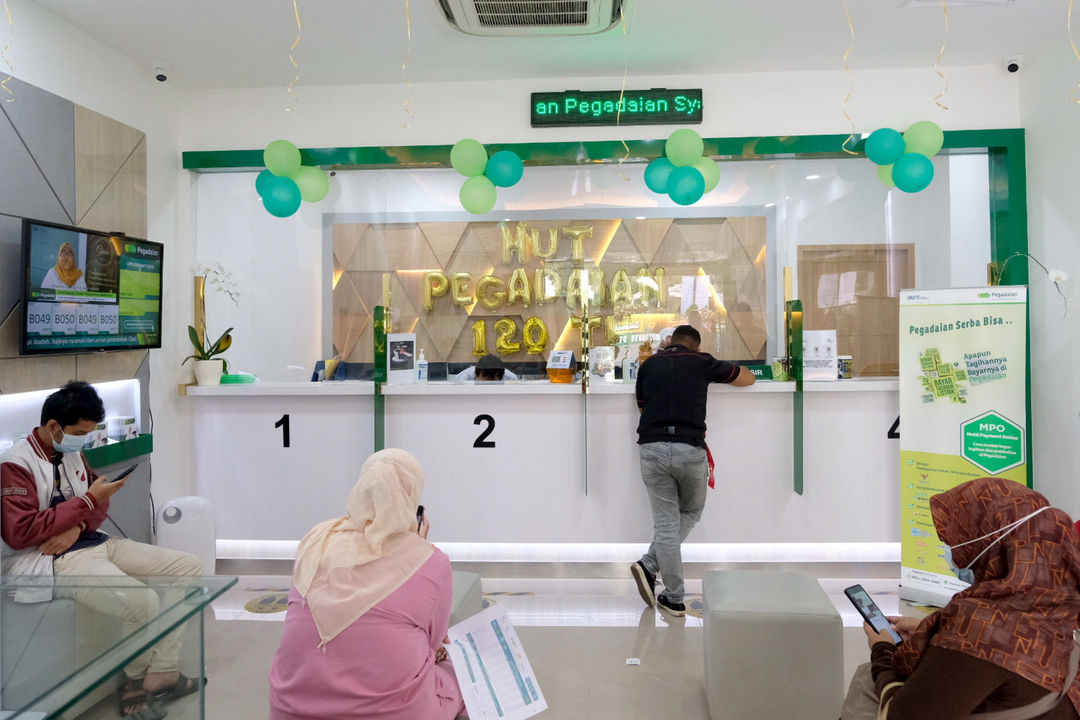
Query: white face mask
(69, 443)
(966, 573)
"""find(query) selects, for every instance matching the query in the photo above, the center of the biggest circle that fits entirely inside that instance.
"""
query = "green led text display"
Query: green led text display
(604, 107)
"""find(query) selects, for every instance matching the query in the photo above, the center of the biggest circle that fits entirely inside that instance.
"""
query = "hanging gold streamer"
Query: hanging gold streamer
(296, 67)
(1074, 94)
(937, 63)
(851, 81)
(622, 91)
(404, 68)
(4, 55)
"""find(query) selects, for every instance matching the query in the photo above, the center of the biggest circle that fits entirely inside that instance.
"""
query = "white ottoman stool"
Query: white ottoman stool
(774, 647)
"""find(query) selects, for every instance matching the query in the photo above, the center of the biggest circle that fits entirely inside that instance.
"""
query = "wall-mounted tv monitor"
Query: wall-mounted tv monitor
(84, 290)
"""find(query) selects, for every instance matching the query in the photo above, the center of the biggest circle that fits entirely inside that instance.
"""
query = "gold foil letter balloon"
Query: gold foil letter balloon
(514, 243)
(548, 285)
(479, 329)
(535, 335)
(573, 290)
(622, 291)
(577, 234)
(435, 285)
(505, 329)
(653, 287)
(545, 253)
(519, 288)
(459, 288)
(491, 292)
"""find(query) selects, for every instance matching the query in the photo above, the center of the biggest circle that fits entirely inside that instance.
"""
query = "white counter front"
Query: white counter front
(507, 463)
(262, 489)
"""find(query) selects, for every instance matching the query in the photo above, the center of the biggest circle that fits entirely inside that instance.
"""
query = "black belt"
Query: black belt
(688, 432)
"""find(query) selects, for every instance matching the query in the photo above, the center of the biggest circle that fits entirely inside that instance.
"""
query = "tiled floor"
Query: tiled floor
(579, 632)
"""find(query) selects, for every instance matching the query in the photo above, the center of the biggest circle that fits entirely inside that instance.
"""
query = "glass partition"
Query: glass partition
(516, 282)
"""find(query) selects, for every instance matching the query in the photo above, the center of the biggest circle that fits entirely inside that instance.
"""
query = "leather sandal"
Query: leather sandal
(183, 686)
(133, 703)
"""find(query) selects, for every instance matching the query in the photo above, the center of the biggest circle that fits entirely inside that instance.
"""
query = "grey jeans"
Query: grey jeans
(676, 476)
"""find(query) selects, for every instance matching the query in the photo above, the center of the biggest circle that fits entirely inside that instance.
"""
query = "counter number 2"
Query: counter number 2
(482, 441)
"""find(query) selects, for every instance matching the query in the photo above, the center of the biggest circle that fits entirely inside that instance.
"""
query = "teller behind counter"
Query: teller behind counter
(489, 368)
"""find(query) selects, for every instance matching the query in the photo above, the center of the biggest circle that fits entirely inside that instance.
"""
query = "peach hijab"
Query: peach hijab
(346, 566)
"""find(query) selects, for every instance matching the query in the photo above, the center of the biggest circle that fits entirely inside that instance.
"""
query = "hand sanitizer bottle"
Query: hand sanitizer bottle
(421, 368)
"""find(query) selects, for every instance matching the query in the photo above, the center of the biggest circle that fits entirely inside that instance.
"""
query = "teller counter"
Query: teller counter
(539, 465)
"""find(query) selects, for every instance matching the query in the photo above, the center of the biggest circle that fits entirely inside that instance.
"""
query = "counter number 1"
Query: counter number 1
(283, 423)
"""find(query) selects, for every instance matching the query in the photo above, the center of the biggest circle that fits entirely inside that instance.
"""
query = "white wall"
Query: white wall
(52, 54)
(1054, 221)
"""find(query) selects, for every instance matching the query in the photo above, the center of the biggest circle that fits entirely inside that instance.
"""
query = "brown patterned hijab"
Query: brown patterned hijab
(1025, 602)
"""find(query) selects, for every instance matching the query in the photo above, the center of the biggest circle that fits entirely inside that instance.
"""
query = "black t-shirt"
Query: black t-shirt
(672, 387)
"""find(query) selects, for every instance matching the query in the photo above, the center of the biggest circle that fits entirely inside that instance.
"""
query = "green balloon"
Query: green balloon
(478, 195)
(468, 157)
(925, 138)
(884, 173)
(684, 147)
(313, 183)
(709, 170)
(282, 158)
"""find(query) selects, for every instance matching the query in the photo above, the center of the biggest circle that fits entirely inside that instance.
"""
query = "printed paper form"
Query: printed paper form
(496, 679)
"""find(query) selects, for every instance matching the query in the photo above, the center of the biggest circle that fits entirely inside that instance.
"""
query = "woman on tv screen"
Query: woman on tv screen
(65, 275)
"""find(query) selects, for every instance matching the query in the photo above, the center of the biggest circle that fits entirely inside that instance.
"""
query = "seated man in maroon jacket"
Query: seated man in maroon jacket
(52, 505)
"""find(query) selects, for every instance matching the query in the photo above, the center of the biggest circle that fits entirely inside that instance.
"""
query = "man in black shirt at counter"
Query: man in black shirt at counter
(672, 389)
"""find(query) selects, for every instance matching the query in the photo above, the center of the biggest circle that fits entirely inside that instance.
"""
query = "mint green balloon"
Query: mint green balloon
(313, 183)
(282, 158)
(684, 147)
(925, 138)
(468, 157)
(709, 170)
(884, 173)
(478, 195)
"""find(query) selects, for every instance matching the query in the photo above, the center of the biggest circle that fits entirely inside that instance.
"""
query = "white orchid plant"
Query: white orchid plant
(219, 279)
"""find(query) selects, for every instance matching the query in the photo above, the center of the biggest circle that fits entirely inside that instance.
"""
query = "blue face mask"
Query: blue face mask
(69, 443)
(966, 574)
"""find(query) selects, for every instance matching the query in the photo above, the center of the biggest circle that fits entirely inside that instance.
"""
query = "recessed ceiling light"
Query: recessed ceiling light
(772, 204)
(640, 217)
(813, 177)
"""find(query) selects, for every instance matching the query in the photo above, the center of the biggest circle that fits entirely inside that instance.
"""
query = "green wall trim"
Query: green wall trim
(583, 153)
(119, 452)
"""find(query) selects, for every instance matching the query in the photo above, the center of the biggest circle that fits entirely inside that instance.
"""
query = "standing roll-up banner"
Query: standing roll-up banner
(963, 413)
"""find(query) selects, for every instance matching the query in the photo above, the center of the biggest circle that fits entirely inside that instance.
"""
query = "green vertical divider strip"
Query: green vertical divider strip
(380, 377)
(585, 436)
(1009, 236)
(793, 320)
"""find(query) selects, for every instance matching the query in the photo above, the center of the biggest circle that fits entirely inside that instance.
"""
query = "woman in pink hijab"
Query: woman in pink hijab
(368, 610)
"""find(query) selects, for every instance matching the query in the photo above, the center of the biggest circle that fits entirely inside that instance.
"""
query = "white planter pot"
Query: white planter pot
(209, 372)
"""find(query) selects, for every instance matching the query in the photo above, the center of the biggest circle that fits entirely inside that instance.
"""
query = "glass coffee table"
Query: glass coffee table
(60, 657)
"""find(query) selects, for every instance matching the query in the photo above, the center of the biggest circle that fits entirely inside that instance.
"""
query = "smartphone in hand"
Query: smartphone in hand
(870, 612)
(124, 474)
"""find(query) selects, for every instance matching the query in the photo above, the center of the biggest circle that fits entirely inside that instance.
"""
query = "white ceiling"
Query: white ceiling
(245, 43)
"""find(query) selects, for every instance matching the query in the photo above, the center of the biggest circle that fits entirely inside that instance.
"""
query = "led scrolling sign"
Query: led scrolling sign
(658, 106)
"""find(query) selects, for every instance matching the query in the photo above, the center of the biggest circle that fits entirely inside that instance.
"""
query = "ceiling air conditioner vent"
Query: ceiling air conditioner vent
(531, 17)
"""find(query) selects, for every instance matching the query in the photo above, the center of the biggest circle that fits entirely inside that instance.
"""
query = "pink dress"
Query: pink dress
(381, 667)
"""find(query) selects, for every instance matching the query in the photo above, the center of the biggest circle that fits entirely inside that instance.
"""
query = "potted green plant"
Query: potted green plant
(208, 369)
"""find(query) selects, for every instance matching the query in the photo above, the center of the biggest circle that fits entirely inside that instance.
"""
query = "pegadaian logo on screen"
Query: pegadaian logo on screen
(133, 249)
